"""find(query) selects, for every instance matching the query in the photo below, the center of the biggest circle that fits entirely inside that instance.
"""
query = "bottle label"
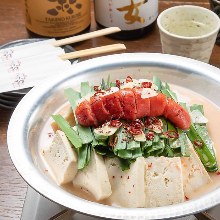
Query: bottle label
(126, 14)
(57, 18)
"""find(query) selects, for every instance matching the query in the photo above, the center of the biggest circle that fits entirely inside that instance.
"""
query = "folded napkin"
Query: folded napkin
(30, 64)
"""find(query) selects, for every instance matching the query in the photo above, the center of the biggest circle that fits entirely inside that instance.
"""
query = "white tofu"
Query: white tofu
(94, 178)
(194, 174)
(128, 188)
(61, 158)
(164, 185)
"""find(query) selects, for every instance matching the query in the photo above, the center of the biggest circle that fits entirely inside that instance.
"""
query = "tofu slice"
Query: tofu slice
(128, 187)
(194, 174)
(67, 114)
(164, 185)
(61, 158)
(94, 178)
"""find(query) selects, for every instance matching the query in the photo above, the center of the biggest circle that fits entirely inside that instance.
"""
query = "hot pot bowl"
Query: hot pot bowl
(42, 101)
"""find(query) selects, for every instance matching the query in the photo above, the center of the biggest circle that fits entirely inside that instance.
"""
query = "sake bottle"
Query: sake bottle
(134, 17)
(57, 18)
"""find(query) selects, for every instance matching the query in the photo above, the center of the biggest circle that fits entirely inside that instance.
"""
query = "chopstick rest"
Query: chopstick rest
(92, 51)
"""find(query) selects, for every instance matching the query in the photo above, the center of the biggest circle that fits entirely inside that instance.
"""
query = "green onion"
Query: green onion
(85, 89)
(69, 132)
(72, 96)
(125, 164)
(82, 156)
(85, 134)
(205, 149)
(157, 82)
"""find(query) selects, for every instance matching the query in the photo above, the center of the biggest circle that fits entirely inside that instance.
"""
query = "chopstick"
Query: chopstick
(86, 36)
(93, 51)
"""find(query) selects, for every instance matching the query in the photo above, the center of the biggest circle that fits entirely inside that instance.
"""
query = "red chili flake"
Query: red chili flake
(50, 134)
(218, 173)
(134, 131)
(171, 134)
(108, 90)
(197, 143)
(113, 141)
(118, 83)
(129, 192)
(128, 177)
(135, 128)
(96, 88)
(150, 136)
(146, 84)
(99, 93)
(129, 79)
(152, 121)
(149, 165)
(187, 198)
(137, 123)
(115, 123)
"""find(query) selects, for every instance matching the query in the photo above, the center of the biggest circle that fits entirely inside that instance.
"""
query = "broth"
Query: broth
(212, 112)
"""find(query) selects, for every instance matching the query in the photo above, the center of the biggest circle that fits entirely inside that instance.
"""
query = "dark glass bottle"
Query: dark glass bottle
(215, 6)
(57, 18)
(134, 17)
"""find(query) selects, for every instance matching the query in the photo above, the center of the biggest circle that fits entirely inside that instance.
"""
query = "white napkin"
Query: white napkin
(28, 65)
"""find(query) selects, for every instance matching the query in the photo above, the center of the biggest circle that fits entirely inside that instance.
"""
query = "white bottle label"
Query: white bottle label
(126, 14)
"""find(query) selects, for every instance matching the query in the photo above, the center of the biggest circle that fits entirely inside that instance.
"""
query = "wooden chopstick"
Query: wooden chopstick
(93, 51)
(86, 36)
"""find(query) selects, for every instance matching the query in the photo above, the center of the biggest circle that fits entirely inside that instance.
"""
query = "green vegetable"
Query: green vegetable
(157, 82)
(136, 153)
(184, 144)
(170, 94)
(120, 135)
(85, 134)
(104, 151)
(85, 89)
(72, 96)
(84, 156)
(69, 132)
(197, 107)
(103, 132)
(132, 145)
(125, 164)
(203, 147)
(125, 154)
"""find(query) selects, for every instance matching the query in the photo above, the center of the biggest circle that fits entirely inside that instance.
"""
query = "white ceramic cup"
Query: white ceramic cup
(188, 31)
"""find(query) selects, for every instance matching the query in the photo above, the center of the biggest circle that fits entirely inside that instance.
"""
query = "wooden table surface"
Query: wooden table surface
(12, 186)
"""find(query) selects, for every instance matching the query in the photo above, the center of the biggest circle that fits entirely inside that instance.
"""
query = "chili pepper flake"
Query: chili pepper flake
(197, 143)
(50, 134)
(171, 134)
(96, 88)
(149, 165)
(129, 79)
(115, 123)
(218, 173)
(118, 83)
(146, 84)
(150, 136)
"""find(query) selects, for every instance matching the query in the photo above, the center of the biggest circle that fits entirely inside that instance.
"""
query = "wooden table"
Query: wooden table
(12, 186)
